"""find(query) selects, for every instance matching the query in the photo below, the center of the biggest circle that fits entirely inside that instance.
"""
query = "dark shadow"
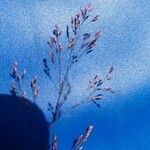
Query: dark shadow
(22, 127)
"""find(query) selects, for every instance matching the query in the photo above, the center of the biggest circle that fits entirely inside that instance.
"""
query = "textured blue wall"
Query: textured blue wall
(124, 120)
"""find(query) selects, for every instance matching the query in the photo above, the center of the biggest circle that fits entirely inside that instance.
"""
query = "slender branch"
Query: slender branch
(81, 101)
(70, 64)
(59, 61)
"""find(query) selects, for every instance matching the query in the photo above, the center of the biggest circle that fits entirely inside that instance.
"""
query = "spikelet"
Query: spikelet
(95, 18)
(51, 53)
(79, 142)
(54, 143)
(109, 74)
(34, 88)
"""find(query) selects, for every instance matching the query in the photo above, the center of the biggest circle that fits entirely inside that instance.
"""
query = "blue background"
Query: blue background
(123, 123)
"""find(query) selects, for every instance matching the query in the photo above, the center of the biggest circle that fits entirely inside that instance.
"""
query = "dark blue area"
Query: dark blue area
(123, 126)
(22, 127)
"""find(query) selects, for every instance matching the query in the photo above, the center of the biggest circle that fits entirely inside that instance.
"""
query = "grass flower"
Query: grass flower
(78, 46)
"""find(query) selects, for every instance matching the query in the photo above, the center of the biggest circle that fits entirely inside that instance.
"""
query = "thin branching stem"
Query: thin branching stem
(81, 101)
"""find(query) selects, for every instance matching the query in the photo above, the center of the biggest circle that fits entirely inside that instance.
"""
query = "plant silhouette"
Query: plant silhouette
(66, 55)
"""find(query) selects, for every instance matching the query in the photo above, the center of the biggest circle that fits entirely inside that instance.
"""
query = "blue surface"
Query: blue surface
(124, 120)
(22, 127)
